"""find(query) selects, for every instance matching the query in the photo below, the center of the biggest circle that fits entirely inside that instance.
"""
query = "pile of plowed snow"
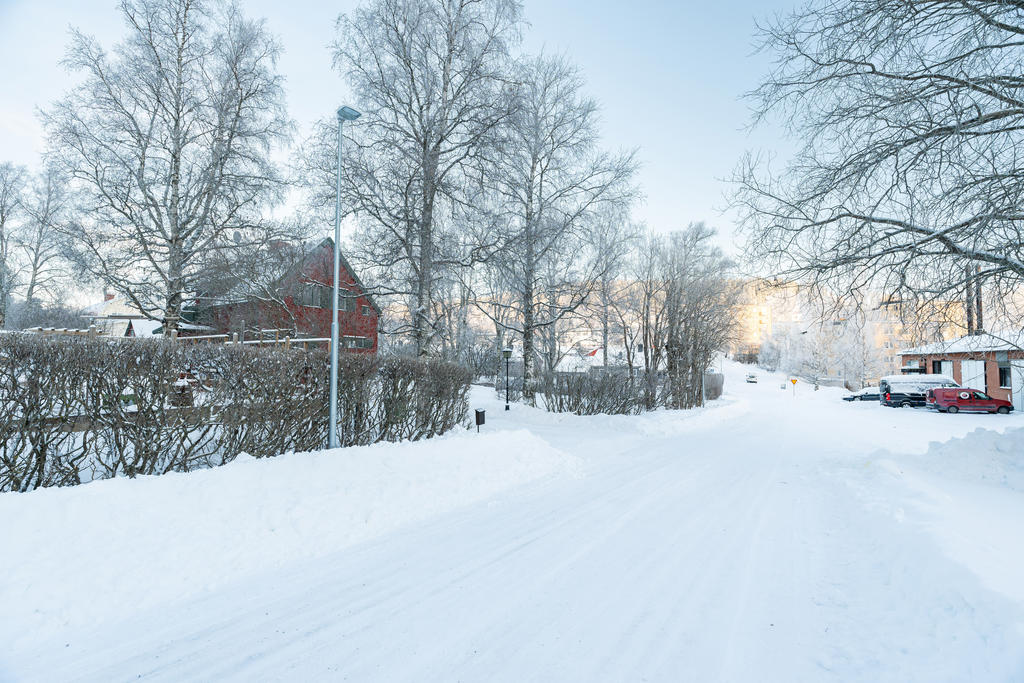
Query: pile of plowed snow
(982, 457)
(72, 556)
(969, 494)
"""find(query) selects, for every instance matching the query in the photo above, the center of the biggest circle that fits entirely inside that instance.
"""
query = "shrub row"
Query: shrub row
(614, 393)
(73, 409)
(593, 394)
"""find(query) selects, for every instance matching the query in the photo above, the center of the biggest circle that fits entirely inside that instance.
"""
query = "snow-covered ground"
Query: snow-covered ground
(768, 537)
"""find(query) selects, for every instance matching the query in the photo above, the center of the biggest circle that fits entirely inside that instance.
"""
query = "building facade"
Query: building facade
(986, 362)
(298, 304)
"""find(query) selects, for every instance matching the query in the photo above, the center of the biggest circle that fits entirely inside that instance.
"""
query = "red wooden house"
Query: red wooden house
(297, 302)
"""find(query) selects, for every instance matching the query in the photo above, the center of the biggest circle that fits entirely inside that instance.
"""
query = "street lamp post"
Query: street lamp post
(344, 114)
(507, 352)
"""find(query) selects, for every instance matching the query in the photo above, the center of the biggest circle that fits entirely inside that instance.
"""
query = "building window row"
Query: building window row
(357, 342)
(319, 296)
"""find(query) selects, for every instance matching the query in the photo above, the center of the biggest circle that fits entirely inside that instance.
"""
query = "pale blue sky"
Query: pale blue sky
(668, 75)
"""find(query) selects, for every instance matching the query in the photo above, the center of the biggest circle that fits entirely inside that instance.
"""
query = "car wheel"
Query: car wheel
(952, 409)
(1003, 410)
(905, 404)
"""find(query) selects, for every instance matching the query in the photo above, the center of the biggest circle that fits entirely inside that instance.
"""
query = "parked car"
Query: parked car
(865, 394)
(953, 400)
(902, 391)
(751, 378)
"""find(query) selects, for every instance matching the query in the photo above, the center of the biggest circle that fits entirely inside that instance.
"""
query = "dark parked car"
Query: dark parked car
(903, 391)
(967, 400)
(865, 394)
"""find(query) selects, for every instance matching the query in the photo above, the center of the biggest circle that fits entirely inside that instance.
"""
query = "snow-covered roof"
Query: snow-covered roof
(586, 357)
(976, 343)
(918, 379)
(117, 306)
(576, 362)
(145, 327)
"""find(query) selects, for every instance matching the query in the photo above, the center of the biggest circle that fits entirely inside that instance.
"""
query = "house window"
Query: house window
(936, 367)
(310, 294)
(366, 310)
(357, 343)
(1004, 376)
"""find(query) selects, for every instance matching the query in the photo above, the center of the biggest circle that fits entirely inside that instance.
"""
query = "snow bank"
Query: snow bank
(982, 457)
(969, 494)
(80, 556)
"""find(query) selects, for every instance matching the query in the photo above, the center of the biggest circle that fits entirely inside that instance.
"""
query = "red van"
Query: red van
(950, 400)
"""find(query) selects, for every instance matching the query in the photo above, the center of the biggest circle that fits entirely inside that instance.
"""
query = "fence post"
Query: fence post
(234, 337)
(287, 343)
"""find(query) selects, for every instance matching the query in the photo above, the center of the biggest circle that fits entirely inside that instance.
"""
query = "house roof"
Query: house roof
(977, 343)
(146, 328)
(238, 293)
(118, 307)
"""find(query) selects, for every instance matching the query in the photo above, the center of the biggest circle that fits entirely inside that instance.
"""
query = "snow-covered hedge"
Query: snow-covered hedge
(73, 410)
(595, 394)
(615, 393)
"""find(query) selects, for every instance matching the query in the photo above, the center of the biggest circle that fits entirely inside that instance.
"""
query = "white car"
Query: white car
(751, 378)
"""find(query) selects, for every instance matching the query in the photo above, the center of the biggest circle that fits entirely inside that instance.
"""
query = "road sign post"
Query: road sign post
(793, 380)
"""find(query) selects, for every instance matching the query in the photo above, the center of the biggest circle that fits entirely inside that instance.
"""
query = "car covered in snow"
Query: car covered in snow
(903, 391)
(954, 400)
(865, 394)
(751, 378)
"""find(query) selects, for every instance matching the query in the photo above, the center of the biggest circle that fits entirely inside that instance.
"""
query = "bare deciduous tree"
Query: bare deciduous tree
(42, 242)
(910, 115)
(614, 239)
(168, 139)
(431, 80)
(12, 188)
(699, 311)
(554, 184)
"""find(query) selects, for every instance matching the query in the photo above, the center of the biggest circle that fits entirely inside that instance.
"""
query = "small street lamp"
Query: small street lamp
(507, 352)
(344, 114)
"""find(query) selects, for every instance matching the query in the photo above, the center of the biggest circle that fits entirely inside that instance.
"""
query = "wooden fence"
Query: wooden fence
(279, 340)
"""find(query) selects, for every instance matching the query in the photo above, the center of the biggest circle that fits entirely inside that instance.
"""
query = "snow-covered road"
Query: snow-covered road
(763, 539)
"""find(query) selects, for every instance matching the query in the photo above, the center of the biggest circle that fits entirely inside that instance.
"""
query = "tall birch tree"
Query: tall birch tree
(431, 79)
(168, 139)
(12, 188)
(555, 184)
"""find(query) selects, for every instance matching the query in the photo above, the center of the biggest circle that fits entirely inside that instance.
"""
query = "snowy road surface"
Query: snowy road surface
(767, 538)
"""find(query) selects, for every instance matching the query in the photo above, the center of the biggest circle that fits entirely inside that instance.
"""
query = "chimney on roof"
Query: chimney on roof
(108, 296)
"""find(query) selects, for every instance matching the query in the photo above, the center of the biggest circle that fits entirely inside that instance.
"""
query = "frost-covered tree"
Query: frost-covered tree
(909, 179)
(167, 138)
(42, 243)
(554, 186)
(12, 187)
(431, 80)
(700, 310)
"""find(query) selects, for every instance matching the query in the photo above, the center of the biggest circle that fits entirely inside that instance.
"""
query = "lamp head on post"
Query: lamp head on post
(344, 114)
(348, 114)
(507, 352)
